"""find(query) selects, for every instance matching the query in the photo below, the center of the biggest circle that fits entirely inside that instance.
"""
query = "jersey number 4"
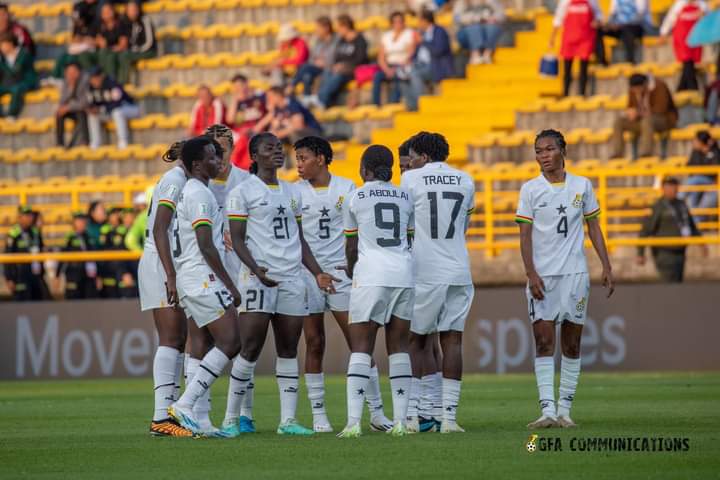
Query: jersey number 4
(458, 198)
(562, 226)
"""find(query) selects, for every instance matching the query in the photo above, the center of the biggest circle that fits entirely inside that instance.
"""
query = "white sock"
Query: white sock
(569, 373)
(287, 374)
(545, 376)
(179, 367)
(425, 399)
(246, 407)
(373, 397)
(240, 377)
(208, 371)
(450, 398)
(400, 379)
(358, 377)
(437, 395)
(191, 365)
(164, 380)
(415, 383)
(202, 408)
(315, 383)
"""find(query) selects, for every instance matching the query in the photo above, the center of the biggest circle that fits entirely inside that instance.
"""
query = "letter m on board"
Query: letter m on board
(26, 347)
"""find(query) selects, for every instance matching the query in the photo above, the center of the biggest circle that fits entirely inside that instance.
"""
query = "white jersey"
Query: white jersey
(322, 220)
(381, 214)
(444, 199)
(221, 188)
(166, 192)
(272, 213)
(556, 212)
(197, 207)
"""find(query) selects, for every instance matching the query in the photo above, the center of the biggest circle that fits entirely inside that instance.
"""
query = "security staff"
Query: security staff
(80, 277)
(110, 272)
(25, 280)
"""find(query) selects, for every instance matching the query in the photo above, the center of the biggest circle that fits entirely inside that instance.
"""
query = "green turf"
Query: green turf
(98, 430)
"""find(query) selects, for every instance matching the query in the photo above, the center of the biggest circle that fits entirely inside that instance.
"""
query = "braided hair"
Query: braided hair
(559, 139)
(173, 152)
(378, 159)
(317, 145)
(219, 131)
(254, 146)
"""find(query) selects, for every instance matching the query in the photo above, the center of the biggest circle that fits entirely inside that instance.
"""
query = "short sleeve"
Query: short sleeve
(237, 209)
(591, 209)
(296, 202)
(200, 209)
(350, 226)
(168, 195)
(411, 218)
(524, 212)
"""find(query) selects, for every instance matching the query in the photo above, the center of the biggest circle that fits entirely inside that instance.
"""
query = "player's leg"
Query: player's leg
(570, 335)
(286, 331)
(200, 344)
(437, 388)
(417, 349)
(430, 399)
(397, 334)
(171, 327)
(314, 332)
(544, 334)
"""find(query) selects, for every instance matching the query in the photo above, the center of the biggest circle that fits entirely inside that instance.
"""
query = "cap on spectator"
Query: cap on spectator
(287, 32)
(96, 71)
(25, 210)
(79, 214)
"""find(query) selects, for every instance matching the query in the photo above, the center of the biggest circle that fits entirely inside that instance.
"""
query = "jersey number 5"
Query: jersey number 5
(458, 198)
(383, 224)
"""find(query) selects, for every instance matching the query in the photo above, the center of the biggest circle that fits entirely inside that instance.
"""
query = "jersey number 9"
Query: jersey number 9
(383, 224)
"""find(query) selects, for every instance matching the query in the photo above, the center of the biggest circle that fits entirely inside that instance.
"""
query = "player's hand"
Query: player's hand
(171, 291)
(261, 274)
(537, 286)
(608, 281)
(237, 298)
(325, 282)
(640, 260)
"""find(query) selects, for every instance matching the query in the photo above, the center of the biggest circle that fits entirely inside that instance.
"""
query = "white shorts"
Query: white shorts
(380, 303)
(151, 282)
(232, 263)
(441, 308)
(320, 302)
(204, 297)
(288, 298)
(566, 298)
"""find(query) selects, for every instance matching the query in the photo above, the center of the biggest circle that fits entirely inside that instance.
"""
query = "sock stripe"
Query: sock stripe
(240, 379)
(287, 376)
(167, 385)
(401, 376)
(357, 375)
(208, 370)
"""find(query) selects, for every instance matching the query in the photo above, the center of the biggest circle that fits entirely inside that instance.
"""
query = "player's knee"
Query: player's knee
(572, 350)
(175, 341)
(544, 346)
(315, 345)
(250, 350)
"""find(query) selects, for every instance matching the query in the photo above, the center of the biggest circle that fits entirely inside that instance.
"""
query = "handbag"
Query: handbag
(365, 73)
(549, 66)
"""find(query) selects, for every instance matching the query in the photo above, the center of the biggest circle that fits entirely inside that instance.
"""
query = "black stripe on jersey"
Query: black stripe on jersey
(240, 379)
(286, 376)
(208, 370)
(166, 385)
(400, 376)
(357, 375)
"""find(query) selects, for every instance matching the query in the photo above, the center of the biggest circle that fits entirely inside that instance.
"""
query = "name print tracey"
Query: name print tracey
(442, 179)
(383, 193)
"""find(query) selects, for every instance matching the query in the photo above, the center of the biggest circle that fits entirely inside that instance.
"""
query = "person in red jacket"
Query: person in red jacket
(579, 20)
(679, 21)
(294, 52)
(8, 24)
(208, 110)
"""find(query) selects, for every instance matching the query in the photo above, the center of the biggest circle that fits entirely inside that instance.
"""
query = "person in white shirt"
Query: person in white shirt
(205, 290)
(394, 58)
(378, 221)
(265, 217)
(444, 199)
(158, 293)
(323, 198)
(550, 213)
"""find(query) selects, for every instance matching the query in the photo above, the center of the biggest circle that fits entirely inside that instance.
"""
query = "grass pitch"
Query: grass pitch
(98, 429)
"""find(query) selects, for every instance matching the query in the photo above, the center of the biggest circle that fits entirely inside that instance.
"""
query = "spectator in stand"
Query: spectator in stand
(97, 216)
(208, 110)
(395, 54)
(73, 104)
(627, 22)
(579, 20)
(247, 108)
(679, 21)
(480, 27)
(293, 53)
(351, 51)
(712, 100)
(108, 99)
(321, 57)
(82, 42)
(17, 73)
(705, 153)
(142, 43)
(113, 40)
(670, 217)
(287, 118)
(8, 24)
(433, 58)
(651, 110)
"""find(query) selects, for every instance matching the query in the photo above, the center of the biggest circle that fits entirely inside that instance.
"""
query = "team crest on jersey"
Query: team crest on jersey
(578, 202)
(580, 305)
(339, 203)
(203, 208)
(171, 190)
(293, 204)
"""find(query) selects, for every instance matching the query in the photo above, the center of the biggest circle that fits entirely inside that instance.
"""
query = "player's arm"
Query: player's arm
(324, 280)
(537, 287)
(351, 238)
(238, 232)
(204, 236)
(163, 218)
(598, 240)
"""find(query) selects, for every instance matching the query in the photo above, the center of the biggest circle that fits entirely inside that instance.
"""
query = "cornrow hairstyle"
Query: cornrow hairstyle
(254, 146)
(218, 131)
(433, 145)
(317, 145)
(173, 152)
(379, 160)
(559, 138)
